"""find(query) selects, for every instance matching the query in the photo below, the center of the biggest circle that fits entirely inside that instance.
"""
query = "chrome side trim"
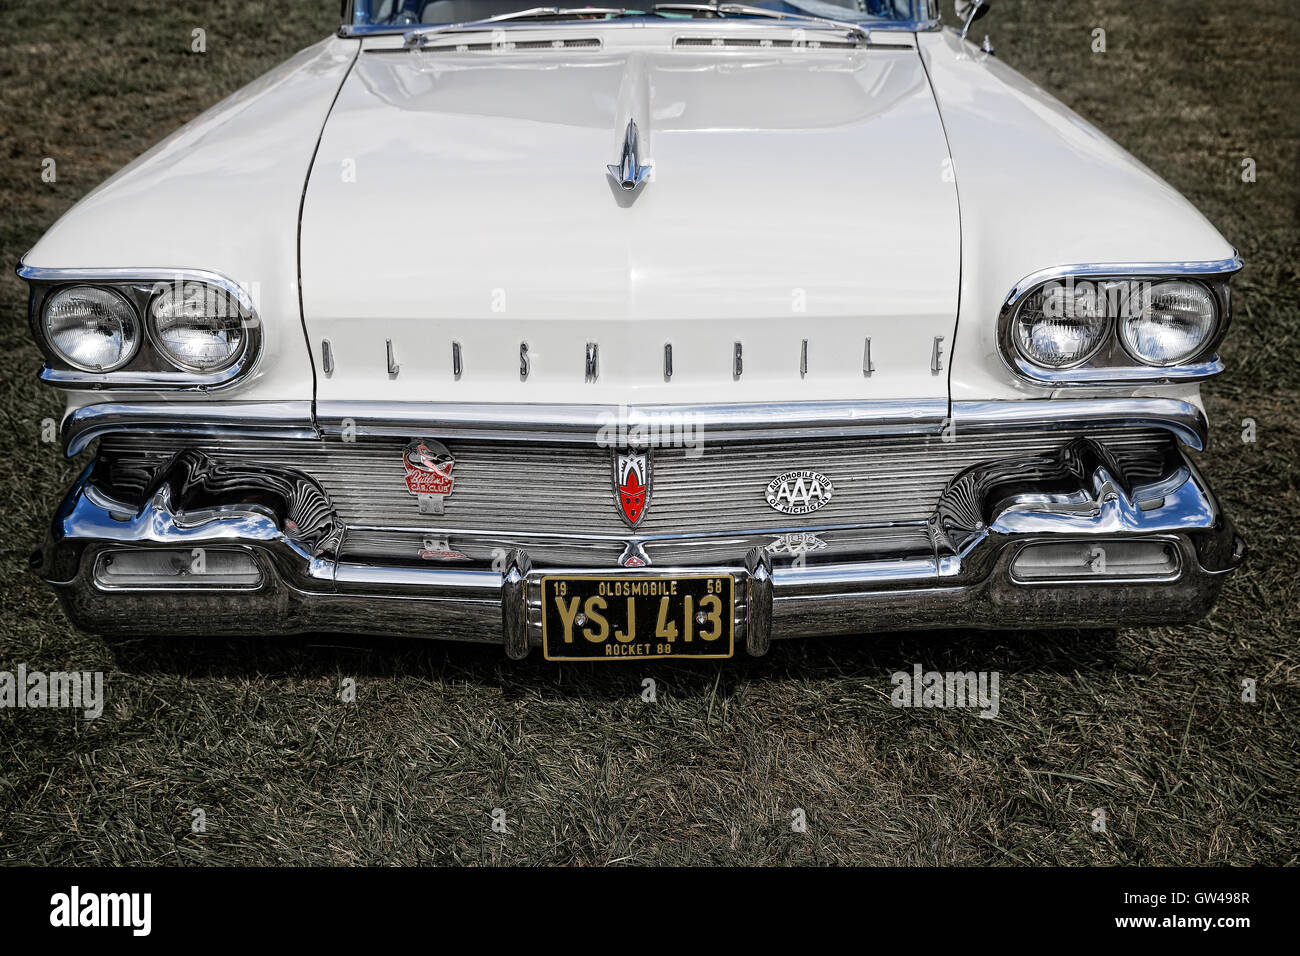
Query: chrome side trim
(127, 379)
(1084, 375)
(288, 420)
(1184, 419)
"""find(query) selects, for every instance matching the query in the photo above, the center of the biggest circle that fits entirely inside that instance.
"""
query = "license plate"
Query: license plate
(595, 618)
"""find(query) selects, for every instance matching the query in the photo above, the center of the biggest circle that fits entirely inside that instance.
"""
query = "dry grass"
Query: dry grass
(1146, 723)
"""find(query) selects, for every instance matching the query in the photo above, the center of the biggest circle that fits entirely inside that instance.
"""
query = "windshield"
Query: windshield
(404, 13)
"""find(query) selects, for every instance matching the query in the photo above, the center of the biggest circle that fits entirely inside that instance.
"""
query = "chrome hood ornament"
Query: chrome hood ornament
(629, 172)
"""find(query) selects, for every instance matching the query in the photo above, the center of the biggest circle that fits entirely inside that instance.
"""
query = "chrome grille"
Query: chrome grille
(542, 488)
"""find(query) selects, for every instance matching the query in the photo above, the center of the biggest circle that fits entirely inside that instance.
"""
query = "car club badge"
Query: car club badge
(428, 473)
(799, 492)
(632, 485)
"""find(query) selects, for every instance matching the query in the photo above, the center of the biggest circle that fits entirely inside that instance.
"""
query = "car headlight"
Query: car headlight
(91, 328)
(1062, 324)
(1165, 323)
(197, 327)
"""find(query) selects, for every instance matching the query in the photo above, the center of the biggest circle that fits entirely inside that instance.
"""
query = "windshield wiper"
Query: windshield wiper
(723, 10)
(416, 38)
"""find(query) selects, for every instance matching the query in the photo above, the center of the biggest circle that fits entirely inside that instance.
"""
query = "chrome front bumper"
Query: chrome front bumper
(856, 582)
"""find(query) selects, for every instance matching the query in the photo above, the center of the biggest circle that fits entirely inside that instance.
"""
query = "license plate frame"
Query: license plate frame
(654, 610)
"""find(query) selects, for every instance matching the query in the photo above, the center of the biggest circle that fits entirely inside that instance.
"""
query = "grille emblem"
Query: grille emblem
(438, 548)
(796, 543)
(633, 556)
(632, 485)
(799, 492)
(428, 473)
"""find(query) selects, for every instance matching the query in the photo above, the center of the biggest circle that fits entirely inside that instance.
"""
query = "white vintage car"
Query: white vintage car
(634, 333)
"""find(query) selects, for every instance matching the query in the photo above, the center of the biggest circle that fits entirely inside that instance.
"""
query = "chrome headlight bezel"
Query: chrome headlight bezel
(1112, 363)
(151, 366)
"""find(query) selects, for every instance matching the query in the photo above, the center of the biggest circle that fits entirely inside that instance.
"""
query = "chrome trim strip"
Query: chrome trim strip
(288, 420)
(1184, 419)
(45, 274)
(591, 422)
(659, 538)
(569, 423)
(1082, 375)
(171, 379)
(1229, 266)
(584, 423)
(457, 583)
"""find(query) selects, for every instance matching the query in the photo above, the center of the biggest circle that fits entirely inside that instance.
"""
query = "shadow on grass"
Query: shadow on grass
(870, 656)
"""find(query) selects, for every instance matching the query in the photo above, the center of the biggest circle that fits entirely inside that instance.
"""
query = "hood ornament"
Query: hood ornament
(629, 172)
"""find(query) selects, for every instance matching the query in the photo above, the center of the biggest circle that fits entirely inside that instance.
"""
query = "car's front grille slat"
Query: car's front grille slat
(568, 489)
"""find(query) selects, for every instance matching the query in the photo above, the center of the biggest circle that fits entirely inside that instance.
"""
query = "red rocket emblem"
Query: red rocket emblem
(632, 485)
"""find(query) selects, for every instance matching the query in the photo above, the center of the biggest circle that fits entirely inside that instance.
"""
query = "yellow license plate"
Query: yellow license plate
(598, 618)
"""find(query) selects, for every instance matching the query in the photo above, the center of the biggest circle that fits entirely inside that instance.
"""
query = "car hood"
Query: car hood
(800, 202)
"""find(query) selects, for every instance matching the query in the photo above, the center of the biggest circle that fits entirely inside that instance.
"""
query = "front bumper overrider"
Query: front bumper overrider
(971, 571)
